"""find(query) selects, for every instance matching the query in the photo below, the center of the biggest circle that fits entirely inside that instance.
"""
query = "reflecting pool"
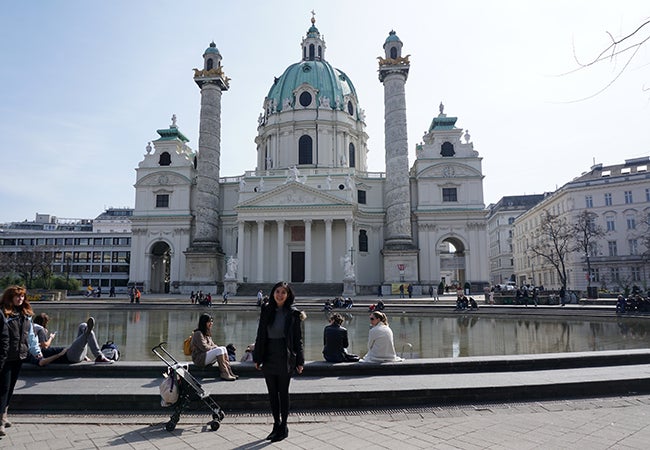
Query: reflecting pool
(418, 335)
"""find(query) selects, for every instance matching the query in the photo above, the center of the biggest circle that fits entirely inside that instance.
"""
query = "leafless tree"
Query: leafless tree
(586, 236)
(552, 242)
(624, 47)
(31, 264)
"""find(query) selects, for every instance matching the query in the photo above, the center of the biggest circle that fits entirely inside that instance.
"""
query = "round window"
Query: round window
(305, 99)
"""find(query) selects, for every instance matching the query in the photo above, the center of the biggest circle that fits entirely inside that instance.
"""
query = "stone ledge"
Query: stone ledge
(514, 363)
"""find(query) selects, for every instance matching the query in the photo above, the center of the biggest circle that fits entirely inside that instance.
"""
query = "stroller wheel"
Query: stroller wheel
(170, 426)
(214, 425)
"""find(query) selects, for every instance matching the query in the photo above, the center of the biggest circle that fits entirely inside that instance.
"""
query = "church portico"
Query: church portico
(300, 250)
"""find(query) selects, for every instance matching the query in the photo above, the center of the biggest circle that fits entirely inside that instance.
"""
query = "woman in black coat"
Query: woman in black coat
(279, 352)
(335, 340)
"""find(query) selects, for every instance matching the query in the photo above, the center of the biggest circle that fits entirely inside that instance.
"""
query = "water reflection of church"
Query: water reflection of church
(310, 212)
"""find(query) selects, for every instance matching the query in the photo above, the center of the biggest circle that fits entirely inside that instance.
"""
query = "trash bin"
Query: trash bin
(592, 292)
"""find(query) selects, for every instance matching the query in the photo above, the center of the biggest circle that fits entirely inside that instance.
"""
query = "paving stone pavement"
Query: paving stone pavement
(597, 423)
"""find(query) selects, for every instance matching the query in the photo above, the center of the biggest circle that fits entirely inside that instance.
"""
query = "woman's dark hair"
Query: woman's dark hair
(204, 320)
(42, 319)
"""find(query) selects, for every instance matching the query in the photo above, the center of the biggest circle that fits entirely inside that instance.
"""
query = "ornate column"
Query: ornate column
(260, 251)
(307, 250)
(281, 250)
(349, 240)
(204, 257)
(398, 246)
(328, 250)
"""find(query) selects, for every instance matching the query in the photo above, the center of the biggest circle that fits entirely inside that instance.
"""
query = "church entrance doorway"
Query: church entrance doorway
(452, 262)
(297, 267)
(160, 268)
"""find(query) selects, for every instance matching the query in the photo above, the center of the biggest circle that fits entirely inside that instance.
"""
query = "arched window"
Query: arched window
(363, 241)
(311, 52)
(320, 52)
(209, 64)
(305, 150)
(447, 149)
(351, 155)
(165, 159)
(393, 52)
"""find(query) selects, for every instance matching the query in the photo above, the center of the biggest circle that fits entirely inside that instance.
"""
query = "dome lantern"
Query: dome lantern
(313, 46)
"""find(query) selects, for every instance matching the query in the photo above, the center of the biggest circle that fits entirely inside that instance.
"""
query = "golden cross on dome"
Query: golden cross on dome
(313, 17)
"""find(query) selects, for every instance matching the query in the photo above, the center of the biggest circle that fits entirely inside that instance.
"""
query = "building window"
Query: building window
(305, 150)
(165, 159)
(634, 246)
(611, 224)
(511, 220)
(636, 273)
(611, 245)
(595, 275)
(608, 199)
(363, 241)
(647, 194)
(305, 99)
(589, 201)
(628, 197)
(449, 195)
(361, 197)
(162, 201)
(615, 274)
(447, 149)
(393, 53)
(593, 249)
(631, 222)
(351, 155)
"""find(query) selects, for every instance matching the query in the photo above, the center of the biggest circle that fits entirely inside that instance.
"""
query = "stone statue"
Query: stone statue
(261, 186)
(348, 182)
(294, 173)
(348, 268)
(231, 267)
(328, 182)
(173, 125)
(286, 104)
(467, 136)
(149, 148)
(242, 185)
(325, 102)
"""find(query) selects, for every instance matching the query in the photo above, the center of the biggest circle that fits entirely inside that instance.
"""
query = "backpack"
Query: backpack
(187, 345)
(110, 351)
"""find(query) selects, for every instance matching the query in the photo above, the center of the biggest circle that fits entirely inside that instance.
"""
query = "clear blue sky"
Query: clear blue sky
(84, 86)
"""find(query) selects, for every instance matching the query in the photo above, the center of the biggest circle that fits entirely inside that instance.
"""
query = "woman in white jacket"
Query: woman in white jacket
(380, 340)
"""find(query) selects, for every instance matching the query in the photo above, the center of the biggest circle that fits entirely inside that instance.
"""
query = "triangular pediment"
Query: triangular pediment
(293, 194)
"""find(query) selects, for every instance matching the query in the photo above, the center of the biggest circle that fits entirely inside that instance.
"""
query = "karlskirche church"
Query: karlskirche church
(310, 212)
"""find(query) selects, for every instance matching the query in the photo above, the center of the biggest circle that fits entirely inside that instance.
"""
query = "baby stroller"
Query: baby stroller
(187, 386)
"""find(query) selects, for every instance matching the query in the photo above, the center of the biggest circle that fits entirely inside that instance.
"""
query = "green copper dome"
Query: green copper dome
(328, 81)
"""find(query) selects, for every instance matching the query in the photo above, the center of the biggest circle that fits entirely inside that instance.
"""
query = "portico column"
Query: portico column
(328, 250)
(308, 251)
(281, 255)
(348, 235)
(260, 251)
(240, 249)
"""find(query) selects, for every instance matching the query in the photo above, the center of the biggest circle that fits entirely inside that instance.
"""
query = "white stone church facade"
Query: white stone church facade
(310, 212)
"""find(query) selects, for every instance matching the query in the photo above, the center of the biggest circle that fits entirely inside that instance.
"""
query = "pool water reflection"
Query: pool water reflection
(416, 335)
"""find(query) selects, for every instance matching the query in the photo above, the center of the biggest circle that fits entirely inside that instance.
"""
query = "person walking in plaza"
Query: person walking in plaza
(401, 291)
(380, 340)
(21, 342)
(205, 352)
(279, 352)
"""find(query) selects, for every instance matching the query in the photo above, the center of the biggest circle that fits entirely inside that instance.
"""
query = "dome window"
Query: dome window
(209, 64)
(350, 108)
(311, 52)
(305, 150)
(305, 99)
(393, 53)
(351, 157)
(165, 159)
(447, 149)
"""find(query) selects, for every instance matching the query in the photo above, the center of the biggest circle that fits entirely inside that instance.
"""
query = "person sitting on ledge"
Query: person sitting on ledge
(380, 341)
(335, 341)
(76, 352)
(205, 352)
(472, 303)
